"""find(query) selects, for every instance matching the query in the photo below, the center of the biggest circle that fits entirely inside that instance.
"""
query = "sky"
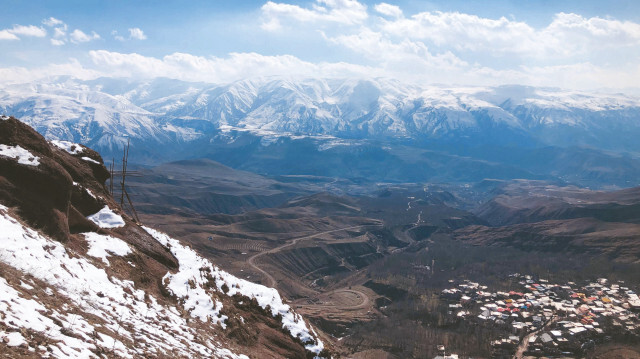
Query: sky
(557, 43)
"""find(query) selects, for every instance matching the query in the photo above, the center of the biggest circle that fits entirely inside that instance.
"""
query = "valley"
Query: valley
(358, 257)
(356, 265)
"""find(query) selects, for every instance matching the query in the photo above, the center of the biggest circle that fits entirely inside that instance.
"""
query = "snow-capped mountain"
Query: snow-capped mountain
(80, 279)
(104, 111)
(170, 120)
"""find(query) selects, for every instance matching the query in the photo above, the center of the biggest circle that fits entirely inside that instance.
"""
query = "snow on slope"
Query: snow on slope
(70, 147)
(101, 246)
(119, 312)
(75, 112)
(23, 156)
(197, 270)
(126, 313)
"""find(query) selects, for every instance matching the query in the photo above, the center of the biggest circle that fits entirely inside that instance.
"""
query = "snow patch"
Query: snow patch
(72, 148)
(26, 286)
(23, 156)
(12, 339)
(90, 160)
(101, 246)
(106, 218)
(90, 193)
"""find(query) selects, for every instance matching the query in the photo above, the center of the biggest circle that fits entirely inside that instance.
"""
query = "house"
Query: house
(450, 356)
(546, 338)
(577, 330)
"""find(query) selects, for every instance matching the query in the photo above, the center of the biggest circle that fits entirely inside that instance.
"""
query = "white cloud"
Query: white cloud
(466, 48)
(328, 11)
(137, 34)
(77, 36)
(134, 34)
(52, 21)
(422, 68)
(576, 34)
(14, 75)
(464, 31)
(8, 35)
(569, 51)
(234, 67)
(21, 30)
(29, 30)
(566, 35)
(404, 54)
(584, 75)
(60, 32)
(388, 10)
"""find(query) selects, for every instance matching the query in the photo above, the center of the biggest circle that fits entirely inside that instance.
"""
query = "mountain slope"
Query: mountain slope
(533, 201)
(79, 278)
(537, 216)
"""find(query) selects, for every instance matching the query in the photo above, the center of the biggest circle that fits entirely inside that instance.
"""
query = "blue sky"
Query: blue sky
(572, 44)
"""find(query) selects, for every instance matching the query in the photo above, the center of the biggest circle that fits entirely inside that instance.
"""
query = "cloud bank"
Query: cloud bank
(381, 40)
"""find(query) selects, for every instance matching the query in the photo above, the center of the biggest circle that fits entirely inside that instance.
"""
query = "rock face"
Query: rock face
(43, 192)
(102, 284)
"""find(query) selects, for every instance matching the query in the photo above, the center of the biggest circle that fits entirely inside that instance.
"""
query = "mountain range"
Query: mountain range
(498, 132)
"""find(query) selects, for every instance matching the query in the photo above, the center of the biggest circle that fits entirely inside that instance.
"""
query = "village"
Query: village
(538, 318)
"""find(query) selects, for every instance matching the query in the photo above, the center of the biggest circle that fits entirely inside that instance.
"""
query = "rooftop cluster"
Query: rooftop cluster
(541, 318)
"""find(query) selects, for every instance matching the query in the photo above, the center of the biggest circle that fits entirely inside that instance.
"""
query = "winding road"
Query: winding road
(272, 281)
(361, 305)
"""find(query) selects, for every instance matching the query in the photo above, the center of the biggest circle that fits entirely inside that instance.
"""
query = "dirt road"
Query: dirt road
(272, 281)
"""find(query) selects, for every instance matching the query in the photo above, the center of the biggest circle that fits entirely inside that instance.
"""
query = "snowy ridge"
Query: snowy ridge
(120, 314)
(104, 113)
(200, 271)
